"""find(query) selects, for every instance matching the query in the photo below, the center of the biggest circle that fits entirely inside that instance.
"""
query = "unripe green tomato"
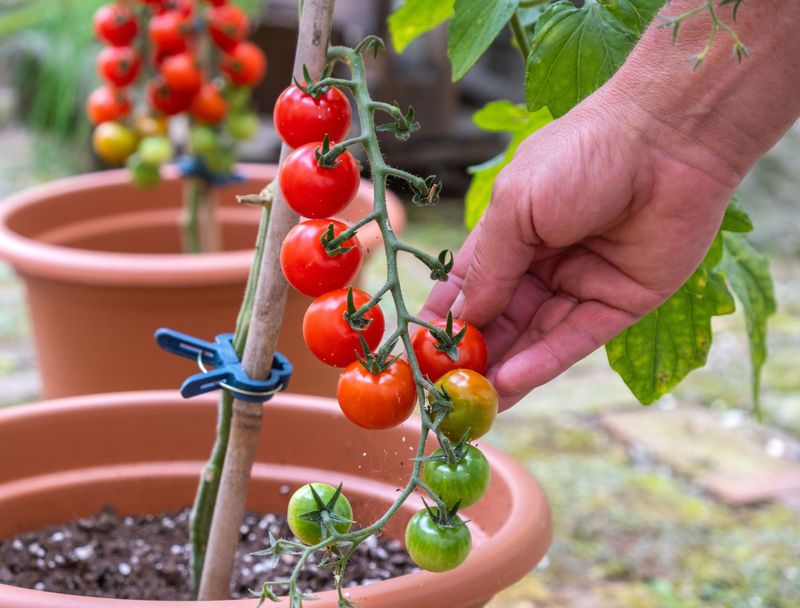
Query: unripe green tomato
(203, 140)
(155, 150)
(302, 502)
(242, 126)
(143, 174)
(436, 548)
(220, 161)
(238, 96)
(465, 481)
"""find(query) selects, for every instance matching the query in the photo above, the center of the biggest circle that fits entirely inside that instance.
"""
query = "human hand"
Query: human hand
(597, 220)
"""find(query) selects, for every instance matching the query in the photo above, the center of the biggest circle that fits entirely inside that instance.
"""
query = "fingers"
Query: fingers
(441, 299)
(562, 333)
(503, 251)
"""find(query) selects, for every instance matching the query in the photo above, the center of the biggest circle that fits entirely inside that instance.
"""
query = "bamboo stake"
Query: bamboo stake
(312, 45)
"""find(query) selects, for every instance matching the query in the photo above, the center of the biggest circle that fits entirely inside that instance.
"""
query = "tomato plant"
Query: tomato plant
(474, 404)
(307, 501)
(119, 65)
(377, 398)
(331, 336)
(434, 351)
(461, 482)
(315, 191)
(115, 24)
(301, 118)
(307, 264)
(434, 546)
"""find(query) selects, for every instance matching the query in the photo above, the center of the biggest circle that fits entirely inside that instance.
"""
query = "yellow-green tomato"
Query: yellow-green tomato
(242, 126)
(463, 482)
(474, 404)
(302, 502)
(203, 140)
(434, 547)
(155, 150)
(113, 142)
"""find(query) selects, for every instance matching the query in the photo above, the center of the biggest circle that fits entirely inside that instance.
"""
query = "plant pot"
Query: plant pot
(102, 268)
(142, 452)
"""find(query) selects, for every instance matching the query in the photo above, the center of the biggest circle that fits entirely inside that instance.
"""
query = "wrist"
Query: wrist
(724, 116)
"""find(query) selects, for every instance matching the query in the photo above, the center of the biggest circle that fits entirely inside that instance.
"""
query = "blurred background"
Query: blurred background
(647, 502)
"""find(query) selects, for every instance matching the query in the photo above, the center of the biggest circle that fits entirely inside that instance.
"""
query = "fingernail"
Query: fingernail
(458, 305)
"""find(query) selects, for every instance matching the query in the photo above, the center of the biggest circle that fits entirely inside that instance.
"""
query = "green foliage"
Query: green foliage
(499, 116)
(415, 17)
(475, 25)
(575, 50)
(747, 272)
(656, 353)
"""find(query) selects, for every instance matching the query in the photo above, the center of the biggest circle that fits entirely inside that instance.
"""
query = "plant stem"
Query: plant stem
(200, 229)
(259, 349)
(203, 509)
(520, 35)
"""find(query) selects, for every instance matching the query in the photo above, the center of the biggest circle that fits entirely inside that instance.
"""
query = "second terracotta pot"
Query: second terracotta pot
(103, 270)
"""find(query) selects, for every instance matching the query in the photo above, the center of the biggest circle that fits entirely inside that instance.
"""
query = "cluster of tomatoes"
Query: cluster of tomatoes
(343, 326)
(174, 29)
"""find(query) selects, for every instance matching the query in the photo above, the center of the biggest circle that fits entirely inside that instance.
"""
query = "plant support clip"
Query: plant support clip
(228, 372)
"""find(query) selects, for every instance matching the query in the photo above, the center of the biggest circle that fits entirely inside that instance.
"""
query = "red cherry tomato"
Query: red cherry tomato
(182, 73)
(165, 99)
(245, 65)
(314, 191)
(115, 24)
(184, 7)
(217, 2)
(307, 265)
(300, 119)
(328, 334)
(168, 32)
(119, 65)
(228, 25)
(208, 105)
(377, 401)
(107, 104)
(434, 363)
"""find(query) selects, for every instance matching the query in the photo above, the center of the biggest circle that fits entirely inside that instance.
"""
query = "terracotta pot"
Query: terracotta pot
(102, 268)
(142, 452)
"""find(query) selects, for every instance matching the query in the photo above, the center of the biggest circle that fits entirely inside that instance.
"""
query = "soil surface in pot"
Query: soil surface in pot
(147, 557)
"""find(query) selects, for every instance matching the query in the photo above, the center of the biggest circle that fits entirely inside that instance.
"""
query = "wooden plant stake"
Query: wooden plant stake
(312, 46)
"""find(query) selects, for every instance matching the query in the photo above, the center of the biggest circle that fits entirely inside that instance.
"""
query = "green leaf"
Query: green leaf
(657, 352)
(747, 272)
(475, 25)
(736, 218)
(415, 17)
(574, 51)
(498, 116)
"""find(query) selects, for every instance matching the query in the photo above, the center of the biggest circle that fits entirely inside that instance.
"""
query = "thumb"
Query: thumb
(504, 249)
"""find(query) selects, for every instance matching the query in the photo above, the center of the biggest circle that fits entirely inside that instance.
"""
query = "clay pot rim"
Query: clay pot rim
(530, 515)
(35, 258)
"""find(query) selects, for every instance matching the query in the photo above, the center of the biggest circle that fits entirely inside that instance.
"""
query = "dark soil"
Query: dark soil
(147, 557)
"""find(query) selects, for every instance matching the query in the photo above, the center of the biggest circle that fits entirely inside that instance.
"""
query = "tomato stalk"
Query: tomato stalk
(200, 231)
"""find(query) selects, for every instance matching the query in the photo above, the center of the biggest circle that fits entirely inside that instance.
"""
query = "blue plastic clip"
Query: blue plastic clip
(228, 372)
(192, 166)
